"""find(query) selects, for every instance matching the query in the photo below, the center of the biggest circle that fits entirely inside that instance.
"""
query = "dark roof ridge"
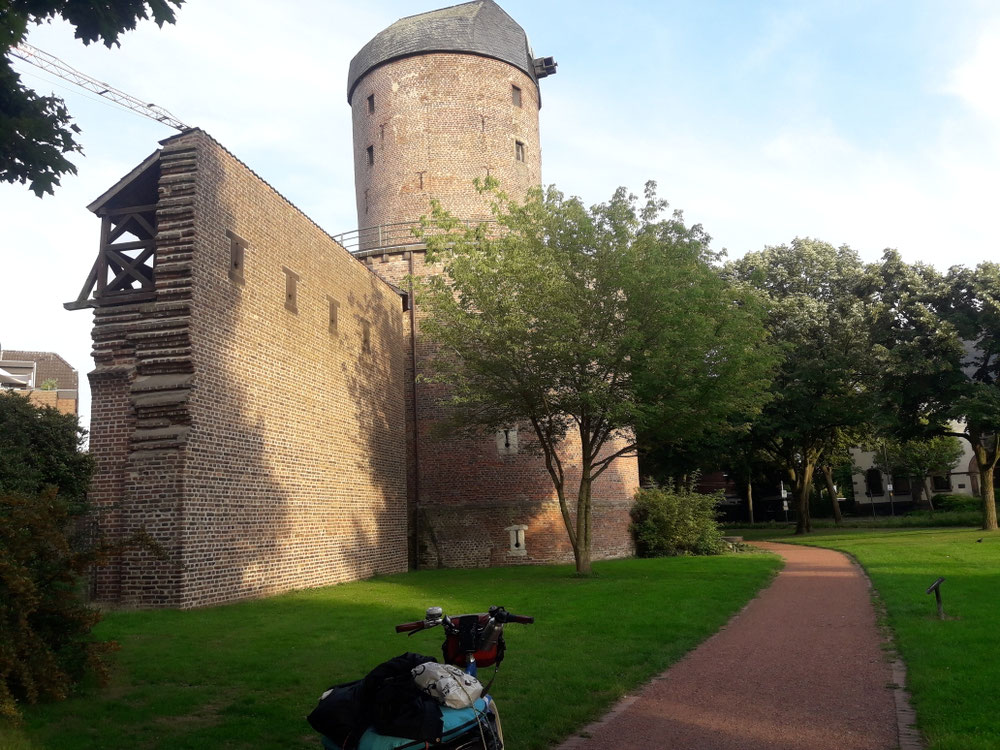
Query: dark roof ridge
(485, 30)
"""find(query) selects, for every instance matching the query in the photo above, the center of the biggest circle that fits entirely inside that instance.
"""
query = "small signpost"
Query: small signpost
(784, 501)
(936, 588)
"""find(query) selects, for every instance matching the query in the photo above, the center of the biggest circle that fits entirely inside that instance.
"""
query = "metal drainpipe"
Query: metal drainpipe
(416, 443)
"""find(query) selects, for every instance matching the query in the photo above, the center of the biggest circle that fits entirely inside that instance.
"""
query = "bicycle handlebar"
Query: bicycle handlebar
(523, 619)
(499, 614)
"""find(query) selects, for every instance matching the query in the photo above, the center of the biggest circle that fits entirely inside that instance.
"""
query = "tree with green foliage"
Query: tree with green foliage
(939, 342)
(39, 449)
(972, 306)
(920, 459)
(44, 626)
(603, 321)
(36, 132)
(817, 320)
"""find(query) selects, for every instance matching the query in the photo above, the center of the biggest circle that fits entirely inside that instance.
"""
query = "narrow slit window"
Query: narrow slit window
(291, 290)
(371, 104)
(515, 95)
(366, 336)
(371, 155)
(519, 150)
(334, 311)
(237, 256)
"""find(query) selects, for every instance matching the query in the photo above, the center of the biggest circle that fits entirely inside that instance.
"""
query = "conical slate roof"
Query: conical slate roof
(480, 28)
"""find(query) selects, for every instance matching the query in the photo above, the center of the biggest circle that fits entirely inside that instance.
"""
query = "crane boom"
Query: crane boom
(54, 65)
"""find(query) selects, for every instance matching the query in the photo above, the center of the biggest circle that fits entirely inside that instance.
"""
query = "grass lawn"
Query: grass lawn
(245, 675)
(953, 666)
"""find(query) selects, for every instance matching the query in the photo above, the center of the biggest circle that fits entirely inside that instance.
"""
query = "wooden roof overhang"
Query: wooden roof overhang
(126, 258)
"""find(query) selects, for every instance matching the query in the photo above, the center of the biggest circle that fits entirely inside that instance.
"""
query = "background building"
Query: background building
(45, 377)
(871, 485)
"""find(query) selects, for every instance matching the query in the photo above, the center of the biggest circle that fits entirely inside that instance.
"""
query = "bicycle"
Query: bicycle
(471, 641)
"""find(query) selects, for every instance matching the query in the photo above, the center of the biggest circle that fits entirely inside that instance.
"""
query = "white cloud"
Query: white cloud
(976, 80)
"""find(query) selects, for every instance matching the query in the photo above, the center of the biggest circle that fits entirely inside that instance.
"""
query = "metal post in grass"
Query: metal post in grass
(936, 588)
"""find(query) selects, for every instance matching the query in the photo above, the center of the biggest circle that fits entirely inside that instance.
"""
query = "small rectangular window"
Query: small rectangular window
(366, 336)
(371, 155)
(237, 256)
(371, 103)
(334, 310)
(519, 150)
(515, 95)
(291, 290)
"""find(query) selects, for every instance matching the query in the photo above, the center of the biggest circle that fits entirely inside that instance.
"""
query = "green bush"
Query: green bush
(45, 644)
(957, 503)
(676, 521)
(40, 448)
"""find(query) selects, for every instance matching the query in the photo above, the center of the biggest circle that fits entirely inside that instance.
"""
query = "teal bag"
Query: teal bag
(455, 721)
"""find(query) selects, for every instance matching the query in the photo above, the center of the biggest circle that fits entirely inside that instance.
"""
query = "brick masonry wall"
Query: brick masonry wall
(261, 450)
(112, 422)
(440, 121)
(295, 469)
(53, 399)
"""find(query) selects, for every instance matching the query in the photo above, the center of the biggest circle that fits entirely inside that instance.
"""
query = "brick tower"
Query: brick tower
(439, 99)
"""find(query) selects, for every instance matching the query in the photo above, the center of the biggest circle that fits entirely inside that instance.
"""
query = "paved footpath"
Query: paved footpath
(800, 668)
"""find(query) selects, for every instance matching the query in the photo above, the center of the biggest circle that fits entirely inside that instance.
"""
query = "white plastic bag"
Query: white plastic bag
(447, 684)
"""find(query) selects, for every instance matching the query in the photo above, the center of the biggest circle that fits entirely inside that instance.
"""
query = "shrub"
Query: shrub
(675, 520)
(45, 644)
(39, 448)
(958, 503)
(44, 625)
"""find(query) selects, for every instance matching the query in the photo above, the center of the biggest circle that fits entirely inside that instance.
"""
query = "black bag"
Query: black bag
(396, 706)
(387, 699)
(338, 714)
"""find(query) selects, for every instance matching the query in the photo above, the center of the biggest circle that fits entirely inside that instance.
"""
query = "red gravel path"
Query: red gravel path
(800, 668)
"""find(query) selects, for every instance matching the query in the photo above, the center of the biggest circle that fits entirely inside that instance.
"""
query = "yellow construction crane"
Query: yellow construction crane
(55, 66)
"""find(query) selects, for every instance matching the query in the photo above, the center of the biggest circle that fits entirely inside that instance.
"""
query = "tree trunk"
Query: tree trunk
(803, 488)
(828, 475)
(986, 460)
(989, 499)
(581, 549)
(929, 491)
(750, 500)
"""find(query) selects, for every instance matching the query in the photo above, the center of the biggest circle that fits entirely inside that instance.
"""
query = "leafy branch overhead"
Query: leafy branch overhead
(36, 132)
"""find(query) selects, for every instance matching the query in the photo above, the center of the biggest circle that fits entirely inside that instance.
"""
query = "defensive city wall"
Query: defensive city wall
(247, 413)
(258, 405)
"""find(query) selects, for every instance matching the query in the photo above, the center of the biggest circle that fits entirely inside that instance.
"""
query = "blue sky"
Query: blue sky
(874, 124)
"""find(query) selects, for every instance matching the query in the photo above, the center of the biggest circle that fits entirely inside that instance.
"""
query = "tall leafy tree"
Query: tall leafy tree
(972, 305)
(36, 132)
(601, 322)
(819, 323)
(940, 335)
